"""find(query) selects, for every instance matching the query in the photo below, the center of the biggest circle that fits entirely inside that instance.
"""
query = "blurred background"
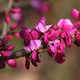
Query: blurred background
(48, 69)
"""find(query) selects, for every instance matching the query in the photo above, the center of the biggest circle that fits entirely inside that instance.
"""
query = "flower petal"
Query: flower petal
(75, 14)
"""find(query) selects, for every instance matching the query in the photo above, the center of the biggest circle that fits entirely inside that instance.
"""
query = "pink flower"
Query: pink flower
(57, 51)
(33, 46)
(63, 23)
(75, 14)
(41, 27)
(24, 33)
(50, 36)
(29, 34)
(46, 7)
(66, 25)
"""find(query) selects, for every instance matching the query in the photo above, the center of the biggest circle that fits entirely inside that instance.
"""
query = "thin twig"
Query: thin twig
(4, 32)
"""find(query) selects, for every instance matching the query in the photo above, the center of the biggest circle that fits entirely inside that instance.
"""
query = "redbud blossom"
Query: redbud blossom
(57, 51)
(33, 46)
(41, 27)
(46, 7)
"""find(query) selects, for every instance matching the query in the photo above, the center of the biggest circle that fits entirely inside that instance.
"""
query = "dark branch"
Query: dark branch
(16, 54)
(20, 53)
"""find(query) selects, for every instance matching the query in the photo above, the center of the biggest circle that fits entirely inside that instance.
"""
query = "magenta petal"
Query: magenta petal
(52, 35)
(27, 48)
(60, 23)
(43, 20)
(34, 55)
(41, 27)
(75, 14)
(34, 34)
(25, 32)
(67, 22)
(56, 42)
(24, 28)
(5, 54)
(74, 29)
(9, 51)
(12, 63)
(52, 48)
(45, 38)
(38, 43)
(48, 26)
(67, 28)
(33, 45)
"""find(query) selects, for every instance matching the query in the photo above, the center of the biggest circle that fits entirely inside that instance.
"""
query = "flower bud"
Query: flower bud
(16, 10)
(27, 64)
(14, 26)
(8, 36)
(16, 35)
(5, 54)
(7, 18)
(11, 47)
(34, 62)
(12, 63)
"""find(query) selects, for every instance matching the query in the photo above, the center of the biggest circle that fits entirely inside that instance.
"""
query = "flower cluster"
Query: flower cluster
(55, 36)
(5, 52)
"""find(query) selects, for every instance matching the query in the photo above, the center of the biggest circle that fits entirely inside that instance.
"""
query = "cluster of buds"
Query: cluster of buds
(54, 37)
(5, 51)
(15, 13)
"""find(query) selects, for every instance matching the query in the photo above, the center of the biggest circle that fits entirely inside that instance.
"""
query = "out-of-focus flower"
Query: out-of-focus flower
(40, 6)
(16, 16)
